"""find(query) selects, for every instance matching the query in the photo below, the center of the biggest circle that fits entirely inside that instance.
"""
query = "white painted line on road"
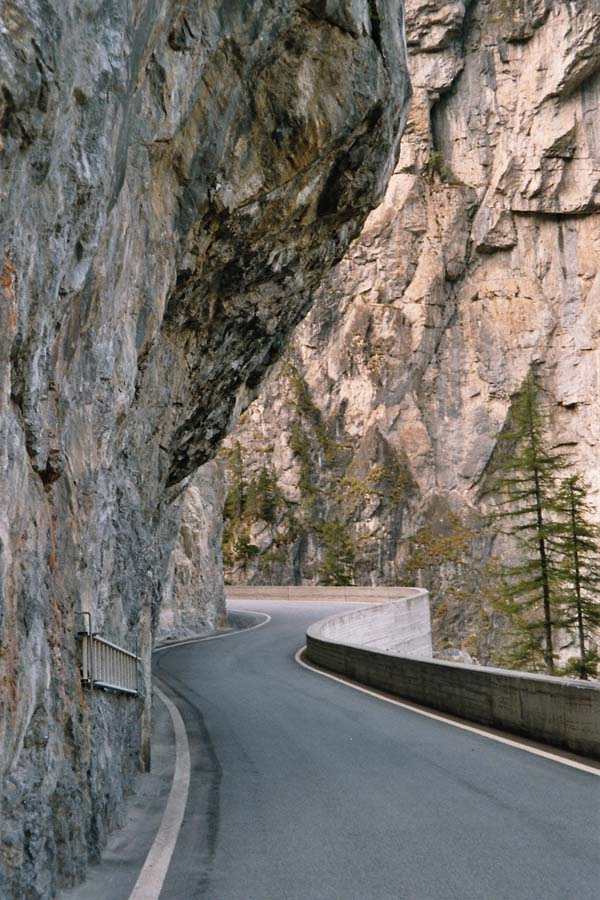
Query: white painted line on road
(153, 872)
(213, 637)
(563, 760)
(151, 878)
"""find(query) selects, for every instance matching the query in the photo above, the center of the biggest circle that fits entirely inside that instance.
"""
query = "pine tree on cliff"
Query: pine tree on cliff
(575, 541)
(526, 481)
(236, 495)
(337, 567)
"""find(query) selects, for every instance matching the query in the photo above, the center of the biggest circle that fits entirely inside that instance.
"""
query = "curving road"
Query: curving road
(304, 789)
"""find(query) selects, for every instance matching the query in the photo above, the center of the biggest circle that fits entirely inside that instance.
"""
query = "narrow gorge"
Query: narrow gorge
(366, 457)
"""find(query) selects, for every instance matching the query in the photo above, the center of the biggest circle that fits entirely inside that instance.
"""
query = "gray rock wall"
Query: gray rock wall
(481, 262)
(193, 599)
(175, 177)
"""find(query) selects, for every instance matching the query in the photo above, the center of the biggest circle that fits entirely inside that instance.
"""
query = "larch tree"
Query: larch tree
(525, 480)
(575, 542)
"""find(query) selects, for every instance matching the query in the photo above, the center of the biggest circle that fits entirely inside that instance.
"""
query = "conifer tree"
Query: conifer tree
(268, 494)
(526, 477)
(338, 558)
(575, 541)
(252, 502)
(236, 495)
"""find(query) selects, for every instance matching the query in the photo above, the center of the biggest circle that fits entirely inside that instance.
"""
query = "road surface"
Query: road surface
(304, 789)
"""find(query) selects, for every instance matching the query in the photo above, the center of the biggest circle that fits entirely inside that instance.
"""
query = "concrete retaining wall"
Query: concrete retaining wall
(314, 592)
(401, 627)
(556, 711)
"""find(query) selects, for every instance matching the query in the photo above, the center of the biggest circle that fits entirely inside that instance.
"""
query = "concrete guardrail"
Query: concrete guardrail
(386, 647)
(315, 592)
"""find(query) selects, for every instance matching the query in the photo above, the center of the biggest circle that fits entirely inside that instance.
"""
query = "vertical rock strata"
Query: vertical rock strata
(175, 177)
(193, 599)
(482, 260)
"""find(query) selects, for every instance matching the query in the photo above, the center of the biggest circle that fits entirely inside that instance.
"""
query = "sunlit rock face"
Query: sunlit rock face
(482, 261)
(175, 178)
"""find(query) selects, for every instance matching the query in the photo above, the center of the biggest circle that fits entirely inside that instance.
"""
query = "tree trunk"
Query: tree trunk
(577, 580)
(548, 649)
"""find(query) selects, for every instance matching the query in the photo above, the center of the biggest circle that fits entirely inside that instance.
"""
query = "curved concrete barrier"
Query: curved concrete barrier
(350, 594)
(367, 645)
(401, 627)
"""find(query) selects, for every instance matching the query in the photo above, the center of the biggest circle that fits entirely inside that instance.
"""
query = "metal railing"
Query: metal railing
(106, 665)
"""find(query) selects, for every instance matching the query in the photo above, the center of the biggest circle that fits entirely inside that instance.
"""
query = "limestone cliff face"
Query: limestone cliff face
(482, 260)
(175, 179)
(193, 599)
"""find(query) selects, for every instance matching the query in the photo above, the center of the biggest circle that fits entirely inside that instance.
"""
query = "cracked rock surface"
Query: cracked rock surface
(175, 178)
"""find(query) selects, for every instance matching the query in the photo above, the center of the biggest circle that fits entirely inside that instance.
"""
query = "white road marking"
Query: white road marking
(563, 760)
(151, 878)
(213, 637)
(153, 873)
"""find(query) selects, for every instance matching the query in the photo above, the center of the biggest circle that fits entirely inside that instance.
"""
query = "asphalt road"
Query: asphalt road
(304, 789)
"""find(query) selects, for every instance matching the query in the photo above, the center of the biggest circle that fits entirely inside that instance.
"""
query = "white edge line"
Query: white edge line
(152, 875)
(154, 870)
(441, 718)
(214, 637)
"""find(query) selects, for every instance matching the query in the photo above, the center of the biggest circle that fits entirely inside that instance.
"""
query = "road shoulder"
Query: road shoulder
(127, 847)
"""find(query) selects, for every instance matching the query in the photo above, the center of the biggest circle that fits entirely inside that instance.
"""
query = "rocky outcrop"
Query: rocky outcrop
(481, 262)
(193, 599)
(175, 179)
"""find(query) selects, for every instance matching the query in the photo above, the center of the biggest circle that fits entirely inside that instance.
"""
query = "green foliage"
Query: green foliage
(243, 549)
(338, 557)
(574, 540)
(436, 165)
(556, 582)
(274, 556)
(392, 482)
(431, 548)
(248, 500)
(226, 545)
(236, 494)
(263, 497)
(269, 493)
(237, 547)
(583, 667)
(441, 610)
(525, 481)
(300, 445)
(292, 529)
(527, 648)
(309, 412)
(301, 396)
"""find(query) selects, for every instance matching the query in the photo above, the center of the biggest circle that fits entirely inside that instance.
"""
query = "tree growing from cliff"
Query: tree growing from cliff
(338, 556)
(236, 494)
(262, 497)
(574, 539)
(526, 480)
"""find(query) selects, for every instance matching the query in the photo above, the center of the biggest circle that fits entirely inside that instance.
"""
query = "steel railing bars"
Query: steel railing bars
(105, 664)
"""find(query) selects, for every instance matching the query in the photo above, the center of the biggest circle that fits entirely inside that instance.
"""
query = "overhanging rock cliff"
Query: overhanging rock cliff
(175, 178)
(482, 261)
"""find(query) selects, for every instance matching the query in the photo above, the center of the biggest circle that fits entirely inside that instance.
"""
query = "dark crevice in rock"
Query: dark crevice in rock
(375, 24)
